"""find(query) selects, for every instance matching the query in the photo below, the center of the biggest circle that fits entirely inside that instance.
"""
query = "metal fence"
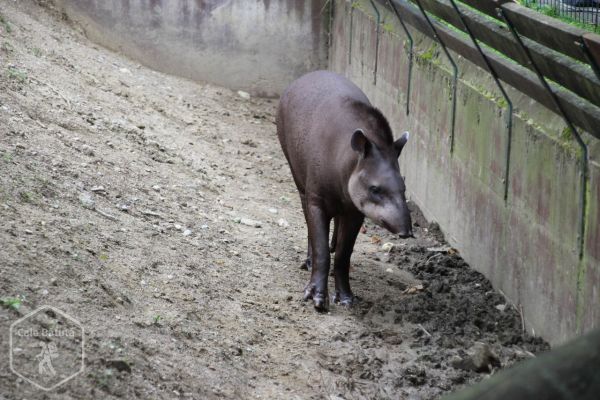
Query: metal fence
(584, 13)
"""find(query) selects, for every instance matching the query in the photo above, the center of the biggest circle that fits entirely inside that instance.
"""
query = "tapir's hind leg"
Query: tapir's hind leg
(336, 221)
(349, 226)
(307, 264)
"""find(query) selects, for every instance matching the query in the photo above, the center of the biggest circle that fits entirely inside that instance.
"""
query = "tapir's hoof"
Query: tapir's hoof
(307, 265)
(345, 300)
(320, 299)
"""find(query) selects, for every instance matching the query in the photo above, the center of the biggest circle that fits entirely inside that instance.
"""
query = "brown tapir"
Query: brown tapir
(344, 162)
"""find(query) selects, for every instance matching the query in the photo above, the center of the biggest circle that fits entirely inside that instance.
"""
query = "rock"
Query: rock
(273, 210)
(119, 365)
(440, 249)
(387, 247)
(501, 307)
(204, 227)
(98, 189)
(156, 188)
(243, 95)
(177, 226)
(481, 358)
(283, 223)
(249, 222)
(87, 200)
(187, 232)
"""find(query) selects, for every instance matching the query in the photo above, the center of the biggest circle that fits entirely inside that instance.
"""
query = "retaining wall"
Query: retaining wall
(526, 245)
(255, 45)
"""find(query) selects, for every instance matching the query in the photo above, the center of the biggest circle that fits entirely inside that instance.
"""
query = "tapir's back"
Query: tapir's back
(313, 114)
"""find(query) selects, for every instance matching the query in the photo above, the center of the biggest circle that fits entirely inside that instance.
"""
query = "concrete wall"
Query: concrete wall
(527, 246)
(254, 45)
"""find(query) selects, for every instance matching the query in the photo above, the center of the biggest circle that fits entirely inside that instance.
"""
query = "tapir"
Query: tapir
(344, 162)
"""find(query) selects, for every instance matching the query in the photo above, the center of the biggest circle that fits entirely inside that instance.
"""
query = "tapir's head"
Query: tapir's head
(376, 186)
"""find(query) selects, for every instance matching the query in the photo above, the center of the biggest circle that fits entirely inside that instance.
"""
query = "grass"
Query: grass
(5, 24)
(26, 197)
(555, 13)
(17, 74)
(11, 302)
(7, 157)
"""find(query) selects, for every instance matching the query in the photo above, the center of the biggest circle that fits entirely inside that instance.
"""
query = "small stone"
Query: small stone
(273, 210)
(187, 232)
(204, 227)
(283, 223)
(98, 189)
(250, 222)
(156, 188)
(481, 359)
(119, 365)
(501, 307)
(87, 201)
(243, 95)
(387, 247)
(440, 249)
(177, 226)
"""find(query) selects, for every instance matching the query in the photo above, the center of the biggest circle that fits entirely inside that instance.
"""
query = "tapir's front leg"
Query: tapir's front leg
(349, 226)
(318, 234)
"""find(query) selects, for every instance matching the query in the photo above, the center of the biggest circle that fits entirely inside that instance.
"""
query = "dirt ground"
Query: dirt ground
(125, 196)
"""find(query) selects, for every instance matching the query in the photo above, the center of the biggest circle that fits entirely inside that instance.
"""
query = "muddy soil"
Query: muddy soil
(125, 196)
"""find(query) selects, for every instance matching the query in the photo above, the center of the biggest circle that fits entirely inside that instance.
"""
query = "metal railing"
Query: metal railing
(584, 13)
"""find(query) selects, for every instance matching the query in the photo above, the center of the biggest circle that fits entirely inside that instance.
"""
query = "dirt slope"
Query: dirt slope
(121, 195)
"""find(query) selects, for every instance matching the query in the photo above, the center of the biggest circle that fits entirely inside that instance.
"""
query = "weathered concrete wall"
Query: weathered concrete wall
(527, 245)
(254, 45)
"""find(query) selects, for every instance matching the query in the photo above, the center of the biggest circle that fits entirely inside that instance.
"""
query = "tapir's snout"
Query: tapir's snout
(399, 222)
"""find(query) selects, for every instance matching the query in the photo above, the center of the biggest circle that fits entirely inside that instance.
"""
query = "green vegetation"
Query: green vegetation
(388, 27)
(5, 24)
(7, 157)
(550, 11)
(26, 197)
(17, 74)
(11, 302)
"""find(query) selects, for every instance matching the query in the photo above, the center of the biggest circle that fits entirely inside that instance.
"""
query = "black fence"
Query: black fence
(584, 13)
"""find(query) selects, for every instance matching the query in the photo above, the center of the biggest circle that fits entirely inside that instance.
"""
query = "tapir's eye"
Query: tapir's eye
(375, 190)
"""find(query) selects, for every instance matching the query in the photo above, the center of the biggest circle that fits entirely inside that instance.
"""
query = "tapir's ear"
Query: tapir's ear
(360, 143)
(399, 144)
